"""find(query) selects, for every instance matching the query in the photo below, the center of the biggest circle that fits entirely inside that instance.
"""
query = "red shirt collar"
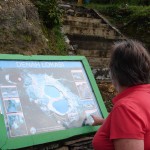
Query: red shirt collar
(126, 92)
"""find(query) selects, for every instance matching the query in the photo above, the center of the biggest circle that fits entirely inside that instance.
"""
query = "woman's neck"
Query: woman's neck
(121, 89)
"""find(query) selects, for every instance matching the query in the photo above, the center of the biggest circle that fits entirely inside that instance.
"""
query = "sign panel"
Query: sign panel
(40, 95)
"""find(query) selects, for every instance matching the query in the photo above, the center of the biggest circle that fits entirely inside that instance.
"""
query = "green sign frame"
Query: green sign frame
(31, 140)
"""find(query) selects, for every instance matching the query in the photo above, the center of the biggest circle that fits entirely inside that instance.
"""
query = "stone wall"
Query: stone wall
(20, 29)
(90, 35)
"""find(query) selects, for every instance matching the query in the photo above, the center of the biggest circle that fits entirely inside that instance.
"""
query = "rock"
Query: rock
(20, 29)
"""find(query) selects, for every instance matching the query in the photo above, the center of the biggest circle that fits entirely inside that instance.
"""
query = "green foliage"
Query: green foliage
(140, 12)
(49, 12)
(27, 38)
(56, 41)
(122, 13)
(61, 46)
(133, 21)
(130, 2)
(51, 17)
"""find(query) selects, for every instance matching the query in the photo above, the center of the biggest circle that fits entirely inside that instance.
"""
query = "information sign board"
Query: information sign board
(46, 98)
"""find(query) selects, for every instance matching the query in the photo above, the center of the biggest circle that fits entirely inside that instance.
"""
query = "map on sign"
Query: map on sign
(44, 96)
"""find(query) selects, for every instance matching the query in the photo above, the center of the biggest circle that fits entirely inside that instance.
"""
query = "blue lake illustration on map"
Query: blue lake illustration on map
(52, 96)
(62, 104)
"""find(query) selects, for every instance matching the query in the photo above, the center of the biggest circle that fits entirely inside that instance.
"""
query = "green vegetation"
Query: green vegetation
(133, 21)
(55, 40)
(122, 13)
(49, 12)
(51, 17)
(131, 2)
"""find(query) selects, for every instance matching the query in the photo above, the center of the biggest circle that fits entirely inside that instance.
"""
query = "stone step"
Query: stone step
(94, 53)
(85, 24)
(80, 144)
(91, 45)
(88, 38)
(100, 32)
(83, 19)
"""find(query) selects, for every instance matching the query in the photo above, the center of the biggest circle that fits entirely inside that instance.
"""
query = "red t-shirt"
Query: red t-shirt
(129, 119)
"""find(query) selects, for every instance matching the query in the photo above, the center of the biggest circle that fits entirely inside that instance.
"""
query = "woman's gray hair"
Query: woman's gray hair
(130, 63)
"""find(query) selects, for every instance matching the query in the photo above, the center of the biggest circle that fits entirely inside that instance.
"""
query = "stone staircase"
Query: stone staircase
(91, 35)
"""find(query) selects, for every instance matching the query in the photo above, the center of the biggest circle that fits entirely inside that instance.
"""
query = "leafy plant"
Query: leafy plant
(49, 12)
(51, 17)
(131, 2)
(55, 40)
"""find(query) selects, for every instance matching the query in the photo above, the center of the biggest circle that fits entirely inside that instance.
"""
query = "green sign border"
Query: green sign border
(31, 140)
